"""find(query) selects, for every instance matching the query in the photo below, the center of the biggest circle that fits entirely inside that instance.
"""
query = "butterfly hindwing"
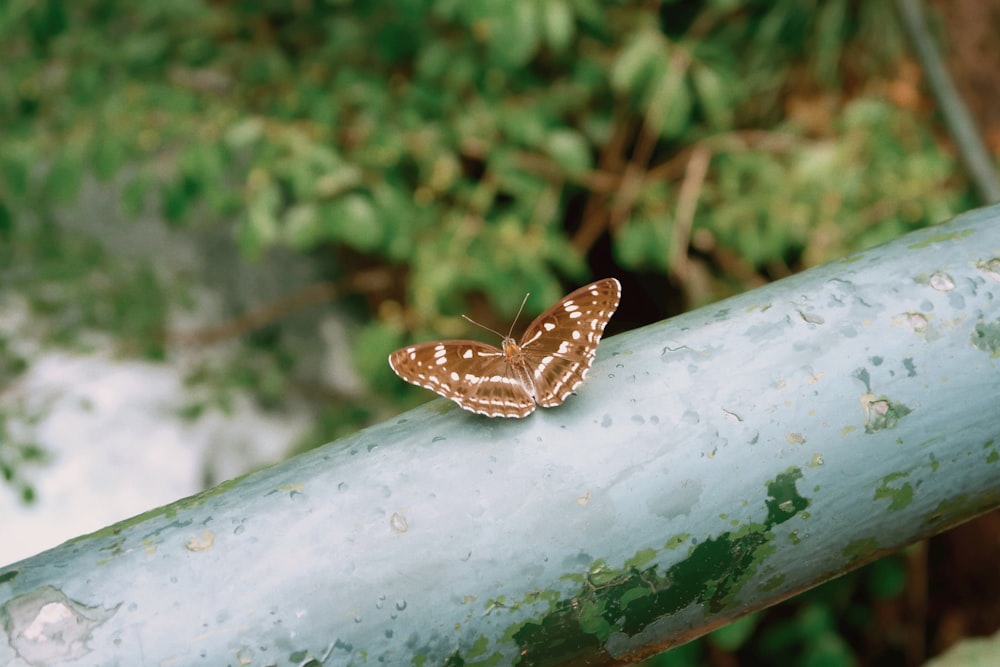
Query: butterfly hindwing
(473, 374)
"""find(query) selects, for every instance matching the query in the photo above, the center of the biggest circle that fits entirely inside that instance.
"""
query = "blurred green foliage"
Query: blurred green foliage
(468, 151)
(450, 138)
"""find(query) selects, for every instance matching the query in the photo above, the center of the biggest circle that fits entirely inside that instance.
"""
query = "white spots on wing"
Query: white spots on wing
(564, 345)
(548, 326)
(575, 314)
(561, 386)
(542, 365)
(501, 408)
(455, 377)
(575, 335)
(502, 379)
(440, 351)
(569, 307)
(468, 353)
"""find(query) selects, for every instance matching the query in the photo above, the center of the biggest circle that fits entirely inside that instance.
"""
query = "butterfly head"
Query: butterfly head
(511, 350)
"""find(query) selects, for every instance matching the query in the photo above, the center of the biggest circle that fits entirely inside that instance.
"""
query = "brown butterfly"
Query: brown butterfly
(550, 362)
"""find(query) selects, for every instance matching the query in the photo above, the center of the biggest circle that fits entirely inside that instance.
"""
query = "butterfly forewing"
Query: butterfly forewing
(550, 362)
(561, 343)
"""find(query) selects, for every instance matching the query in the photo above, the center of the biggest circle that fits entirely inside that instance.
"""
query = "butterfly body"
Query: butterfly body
(550, 361)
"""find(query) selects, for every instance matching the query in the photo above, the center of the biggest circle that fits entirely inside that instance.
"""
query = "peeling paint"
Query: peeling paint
(900, 496)
(986, 337)
(991, 268)
(941, 237)
(202, 542)
(811, 318)
(916, 321)
(992, 455)
(624, 602)
(398, 523)
(860, 550)
(772, 583)
(881, 413)
(44, 626)
(941, 281)
(784, 501)
(292, 489)
(962, 506)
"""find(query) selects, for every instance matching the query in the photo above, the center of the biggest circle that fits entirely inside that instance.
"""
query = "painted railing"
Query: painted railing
(712, 464)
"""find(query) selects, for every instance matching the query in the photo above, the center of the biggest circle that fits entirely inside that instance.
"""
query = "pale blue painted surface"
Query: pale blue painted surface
(711, 464)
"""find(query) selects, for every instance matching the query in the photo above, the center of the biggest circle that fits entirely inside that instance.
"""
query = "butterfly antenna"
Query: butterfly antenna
(483, 326)
(526, 295)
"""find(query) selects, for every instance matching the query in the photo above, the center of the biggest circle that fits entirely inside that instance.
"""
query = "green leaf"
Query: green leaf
(301, 227)
(514, 32)
(524, 125)
(353, 220)
(559, 27)
(244, 133)
(671, 103)
(713, 98)
(260, 228)
(644, 243)
(570, 150)
(638, 63)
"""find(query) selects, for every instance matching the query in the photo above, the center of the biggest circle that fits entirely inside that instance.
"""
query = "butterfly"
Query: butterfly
(547, 365)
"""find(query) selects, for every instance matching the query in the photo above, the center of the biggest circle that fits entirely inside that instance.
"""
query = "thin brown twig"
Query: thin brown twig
(687, 205)
(638, 166)
(310, 295)
(595, 211)
(365, 281)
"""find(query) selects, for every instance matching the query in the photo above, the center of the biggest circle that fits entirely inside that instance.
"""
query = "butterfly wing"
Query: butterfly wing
(474, 375)
(561, 343)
